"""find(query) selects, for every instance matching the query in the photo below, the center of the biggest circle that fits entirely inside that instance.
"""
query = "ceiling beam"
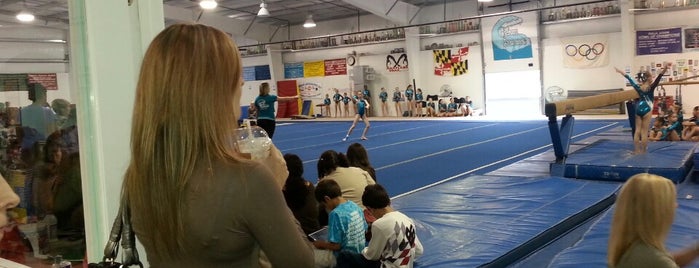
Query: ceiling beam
(396, 11)
(258, 31)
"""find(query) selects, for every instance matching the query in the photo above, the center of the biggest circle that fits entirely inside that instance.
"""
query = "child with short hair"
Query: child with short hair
(346, 224)
(394, 241)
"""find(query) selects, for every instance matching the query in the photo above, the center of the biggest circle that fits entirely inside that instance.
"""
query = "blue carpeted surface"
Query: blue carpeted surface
(408, 155)
(493, 221)
(591, 251)
(612, 160)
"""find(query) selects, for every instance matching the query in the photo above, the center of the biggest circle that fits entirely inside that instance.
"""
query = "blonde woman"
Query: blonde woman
(645, 209)
(195, 201)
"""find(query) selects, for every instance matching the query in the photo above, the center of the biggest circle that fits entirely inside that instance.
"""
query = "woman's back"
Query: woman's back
(352, 181)
(232, 211)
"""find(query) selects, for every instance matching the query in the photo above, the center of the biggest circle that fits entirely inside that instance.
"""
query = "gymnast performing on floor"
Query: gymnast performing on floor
(362, 106)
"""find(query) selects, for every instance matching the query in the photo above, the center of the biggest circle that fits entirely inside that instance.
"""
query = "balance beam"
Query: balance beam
(580, 104)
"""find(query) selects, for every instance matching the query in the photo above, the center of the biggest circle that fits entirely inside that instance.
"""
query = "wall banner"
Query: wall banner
(249, 73)
(262, 72)
(310, 90)
(293, 70)
(397, 62)
(336, 67)
(508, 42)
(313, 68)
(584, 52)
(661, 41)
(450, 62)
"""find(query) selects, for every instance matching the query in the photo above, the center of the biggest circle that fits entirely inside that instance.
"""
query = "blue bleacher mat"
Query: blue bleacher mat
(493, 221)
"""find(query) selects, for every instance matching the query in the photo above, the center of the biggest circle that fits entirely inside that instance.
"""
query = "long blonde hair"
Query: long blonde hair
(187, 103)
(645, 209)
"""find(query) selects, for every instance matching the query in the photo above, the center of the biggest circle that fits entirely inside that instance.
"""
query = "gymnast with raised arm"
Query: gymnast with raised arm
(644, 106)
(361, 108)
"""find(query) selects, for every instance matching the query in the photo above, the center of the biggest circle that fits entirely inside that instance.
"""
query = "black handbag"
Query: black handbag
(121, 232)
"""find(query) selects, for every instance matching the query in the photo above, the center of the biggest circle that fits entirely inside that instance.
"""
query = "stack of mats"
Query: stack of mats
(491, 221)
(612, 160)
(591, 250)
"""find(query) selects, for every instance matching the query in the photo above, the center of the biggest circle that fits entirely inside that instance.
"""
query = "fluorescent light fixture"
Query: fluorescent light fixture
(25, 16)
(483, 1)
(263, 10)
(208, 4)
(309, 22)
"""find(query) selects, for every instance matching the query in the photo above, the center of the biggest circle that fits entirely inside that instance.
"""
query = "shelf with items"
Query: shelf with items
(366, 38)
(288, 48)
(581, 19)
(649, 6)
(254, 50)
(578, 12)
(453, 27)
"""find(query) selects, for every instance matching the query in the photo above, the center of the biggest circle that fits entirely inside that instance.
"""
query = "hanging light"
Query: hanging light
(263, 10)
(208, 4)
(309, 22)
(483, 1)
(25, 16)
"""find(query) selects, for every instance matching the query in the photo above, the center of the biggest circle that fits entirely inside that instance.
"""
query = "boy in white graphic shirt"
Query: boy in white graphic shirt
(393, 243)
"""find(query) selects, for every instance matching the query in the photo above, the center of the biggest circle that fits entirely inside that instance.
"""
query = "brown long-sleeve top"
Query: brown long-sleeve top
(230, 216)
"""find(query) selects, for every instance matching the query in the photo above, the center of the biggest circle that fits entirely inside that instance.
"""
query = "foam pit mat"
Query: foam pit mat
(591, 250)
(612, 160)
(492, 221)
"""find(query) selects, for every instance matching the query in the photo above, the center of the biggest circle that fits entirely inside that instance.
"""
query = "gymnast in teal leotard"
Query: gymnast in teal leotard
(644, 106)
(362, 106)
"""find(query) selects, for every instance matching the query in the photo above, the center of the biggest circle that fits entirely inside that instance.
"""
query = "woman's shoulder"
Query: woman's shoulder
(644, 255)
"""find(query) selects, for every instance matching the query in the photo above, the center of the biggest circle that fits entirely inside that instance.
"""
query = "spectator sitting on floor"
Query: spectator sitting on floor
(352, 180)
(346, 225)
(299, 195)
(442, 107)
(656, 133)
(394, 241)
(689, 131)
(358, 157)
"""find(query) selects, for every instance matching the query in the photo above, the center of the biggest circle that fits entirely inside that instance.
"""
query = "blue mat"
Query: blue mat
(591, 250)
(611, 160)
(489, 221)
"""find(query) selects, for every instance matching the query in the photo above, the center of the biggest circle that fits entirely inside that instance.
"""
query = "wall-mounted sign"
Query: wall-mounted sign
(293, 70)
(661, 41)
(335, 67)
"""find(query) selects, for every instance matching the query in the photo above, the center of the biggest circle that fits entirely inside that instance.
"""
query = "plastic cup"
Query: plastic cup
(254, 141)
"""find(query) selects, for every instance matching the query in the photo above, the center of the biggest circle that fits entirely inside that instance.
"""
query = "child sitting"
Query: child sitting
(346, 224)
(394, 241)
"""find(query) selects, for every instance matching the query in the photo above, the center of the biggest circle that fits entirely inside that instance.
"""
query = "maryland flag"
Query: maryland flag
(450, 62)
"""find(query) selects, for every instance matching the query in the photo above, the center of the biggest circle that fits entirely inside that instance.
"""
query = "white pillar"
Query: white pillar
(108, 39)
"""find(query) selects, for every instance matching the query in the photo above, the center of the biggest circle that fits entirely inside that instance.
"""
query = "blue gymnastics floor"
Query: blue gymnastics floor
(465, 220)
(409, 155)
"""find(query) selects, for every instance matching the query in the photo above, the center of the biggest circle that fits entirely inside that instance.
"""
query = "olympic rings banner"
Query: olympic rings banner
(584, 52)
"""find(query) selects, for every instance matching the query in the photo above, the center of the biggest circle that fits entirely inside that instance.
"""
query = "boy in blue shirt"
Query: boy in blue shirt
(346, 224)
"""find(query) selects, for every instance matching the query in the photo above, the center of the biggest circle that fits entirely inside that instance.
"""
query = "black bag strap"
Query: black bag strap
(112, 248)
(128, 238)
(122, 231)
